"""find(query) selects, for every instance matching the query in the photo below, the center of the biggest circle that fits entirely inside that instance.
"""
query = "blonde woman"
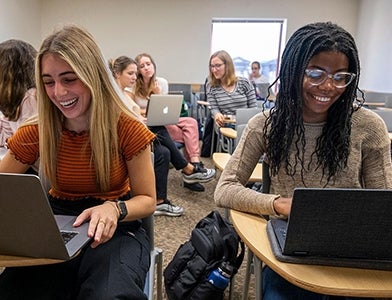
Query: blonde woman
(96, 155)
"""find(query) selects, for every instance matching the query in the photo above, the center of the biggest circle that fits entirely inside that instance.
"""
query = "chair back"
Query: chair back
(240, 129)
(148, 226)
(386, 115)
(378, 97)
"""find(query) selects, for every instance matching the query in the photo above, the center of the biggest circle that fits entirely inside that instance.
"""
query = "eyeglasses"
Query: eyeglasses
(339, 80)
(216, 66)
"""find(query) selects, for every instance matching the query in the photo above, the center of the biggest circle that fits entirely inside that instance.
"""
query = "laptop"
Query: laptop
(163, 109)
(262, 89)
(28, 227)
(336, 227)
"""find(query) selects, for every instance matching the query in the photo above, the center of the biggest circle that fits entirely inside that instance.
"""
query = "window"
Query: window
(248, 40)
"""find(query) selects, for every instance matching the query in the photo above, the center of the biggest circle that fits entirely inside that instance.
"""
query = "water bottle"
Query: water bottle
(220, 277)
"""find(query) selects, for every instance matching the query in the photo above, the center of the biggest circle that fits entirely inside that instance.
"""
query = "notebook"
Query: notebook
(336, 227)
(163, 109)
(27, 224)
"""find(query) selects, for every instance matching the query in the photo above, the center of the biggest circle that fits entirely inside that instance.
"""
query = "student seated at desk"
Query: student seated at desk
(185, 131)
(94, 153)
(226, 92)
(316, 136)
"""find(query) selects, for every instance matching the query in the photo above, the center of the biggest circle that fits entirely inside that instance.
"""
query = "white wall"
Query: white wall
(21, 20)
(177, 32)
(375, 45)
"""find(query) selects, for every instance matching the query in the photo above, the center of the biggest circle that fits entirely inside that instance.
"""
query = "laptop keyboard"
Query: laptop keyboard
(68, 235)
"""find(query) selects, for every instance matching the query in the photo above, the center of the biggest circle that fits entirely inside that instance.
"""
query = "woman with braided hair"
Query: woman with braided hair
(317, 135)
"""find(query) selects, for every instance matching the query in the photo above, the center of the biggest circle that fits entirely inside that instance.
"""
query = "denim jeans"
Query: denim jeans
(276, 287)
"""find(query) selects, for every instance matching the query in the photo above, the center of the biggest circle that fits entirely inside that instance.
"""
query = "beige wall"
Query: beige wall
(375, 45)
(21, 20)
(177, 32)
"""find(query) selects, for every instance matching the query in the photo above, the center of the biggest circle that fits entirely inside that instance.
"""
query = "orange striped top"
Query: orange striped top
(75, 174)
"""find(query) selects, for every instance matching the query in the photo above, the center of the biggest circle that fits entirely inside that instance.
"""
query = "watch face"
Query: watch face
(122, 209)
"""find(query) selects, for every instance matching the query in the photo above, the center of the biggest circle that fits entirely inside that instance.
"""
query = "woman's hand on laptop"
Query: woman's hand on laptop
(282, 206)
(103, 222)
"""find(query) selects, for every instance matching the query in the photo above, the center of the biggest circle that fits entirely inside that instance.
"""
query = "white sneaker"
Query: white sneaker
(167, 209)
(200, 174)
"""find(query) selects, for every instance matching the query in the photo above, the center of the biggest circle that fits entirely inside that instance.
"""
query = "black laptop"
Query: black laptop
(28, 226)
(336, 227)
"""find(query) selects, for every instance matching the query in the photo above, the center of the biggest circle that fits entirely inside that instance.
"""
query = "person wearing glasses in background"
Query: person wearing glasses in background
(227, 92)
(317, 136)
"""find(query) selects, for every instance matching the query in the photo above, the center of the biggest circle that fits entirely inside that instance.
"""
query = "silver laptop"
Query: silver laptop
(27, 224)
(262, 89)
(164, 109)
(338, 227)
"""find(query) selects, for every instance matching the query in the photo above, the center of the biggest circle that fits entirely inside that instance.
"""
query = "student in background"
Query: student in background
(255, 76)
(124, 71)
(96, 155)
(186, 131)
(316, 136)
(17, 86)
(227, 92)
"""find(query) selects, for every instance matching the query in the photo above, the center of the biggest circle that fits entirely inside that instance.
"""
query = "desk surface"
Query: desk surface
(18, 261)
(220, 160)
(320, 279)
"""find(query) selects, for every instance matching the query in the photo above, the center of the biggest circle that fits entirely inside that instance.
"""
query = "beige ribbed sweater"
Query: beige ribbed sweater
(369, 165)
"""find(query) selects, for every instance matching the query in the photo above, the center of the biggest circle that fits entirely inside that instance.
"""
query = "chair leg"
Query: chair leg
(249, 265)
(159, 274)
(258, 270)
(231, 289)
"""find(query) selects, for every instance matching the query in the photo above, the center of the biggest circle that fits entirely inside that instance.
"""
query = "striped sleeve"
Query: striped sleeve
(134, 136)
(24, 144)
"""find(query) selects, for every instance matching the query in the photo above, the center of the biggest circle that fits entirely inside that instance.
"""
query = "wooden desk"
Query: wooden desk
(228, 132)
(319, 279)
(18, 261)
(220, 160)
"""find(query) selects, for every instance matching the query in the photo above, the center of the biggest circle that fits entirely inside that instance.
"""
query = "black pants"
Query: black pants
(114, 270)
(165, 151)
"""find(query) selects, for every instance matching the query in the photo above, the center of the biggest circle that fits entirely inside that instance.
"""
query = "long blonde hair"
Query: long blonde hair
(78, 48)
(229, 78)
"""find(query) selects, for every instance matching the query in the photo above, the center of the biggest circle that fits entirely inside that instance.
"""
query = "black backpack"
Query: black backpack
(213, 243)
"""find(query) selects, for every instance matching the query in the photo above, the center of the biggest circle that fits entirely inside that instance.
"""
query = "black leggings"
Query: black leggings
(165, 151)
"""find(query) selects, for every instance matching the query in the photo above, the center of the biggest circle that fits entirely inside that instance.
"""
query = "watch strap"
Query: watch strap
(122, 209)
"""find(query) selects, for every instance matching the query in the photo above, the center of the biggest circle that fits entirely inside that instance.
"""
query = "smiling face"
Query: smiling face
(66, 91)
(127, 77)
(318, 99)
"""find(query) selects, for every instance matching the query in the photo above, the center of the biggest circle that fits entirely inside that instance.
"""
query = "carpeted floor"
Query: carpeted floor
(171, 232)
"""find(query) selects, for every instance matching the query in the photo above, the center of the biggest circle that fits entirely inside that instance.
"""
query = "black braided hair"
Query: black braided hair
(284, 130)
